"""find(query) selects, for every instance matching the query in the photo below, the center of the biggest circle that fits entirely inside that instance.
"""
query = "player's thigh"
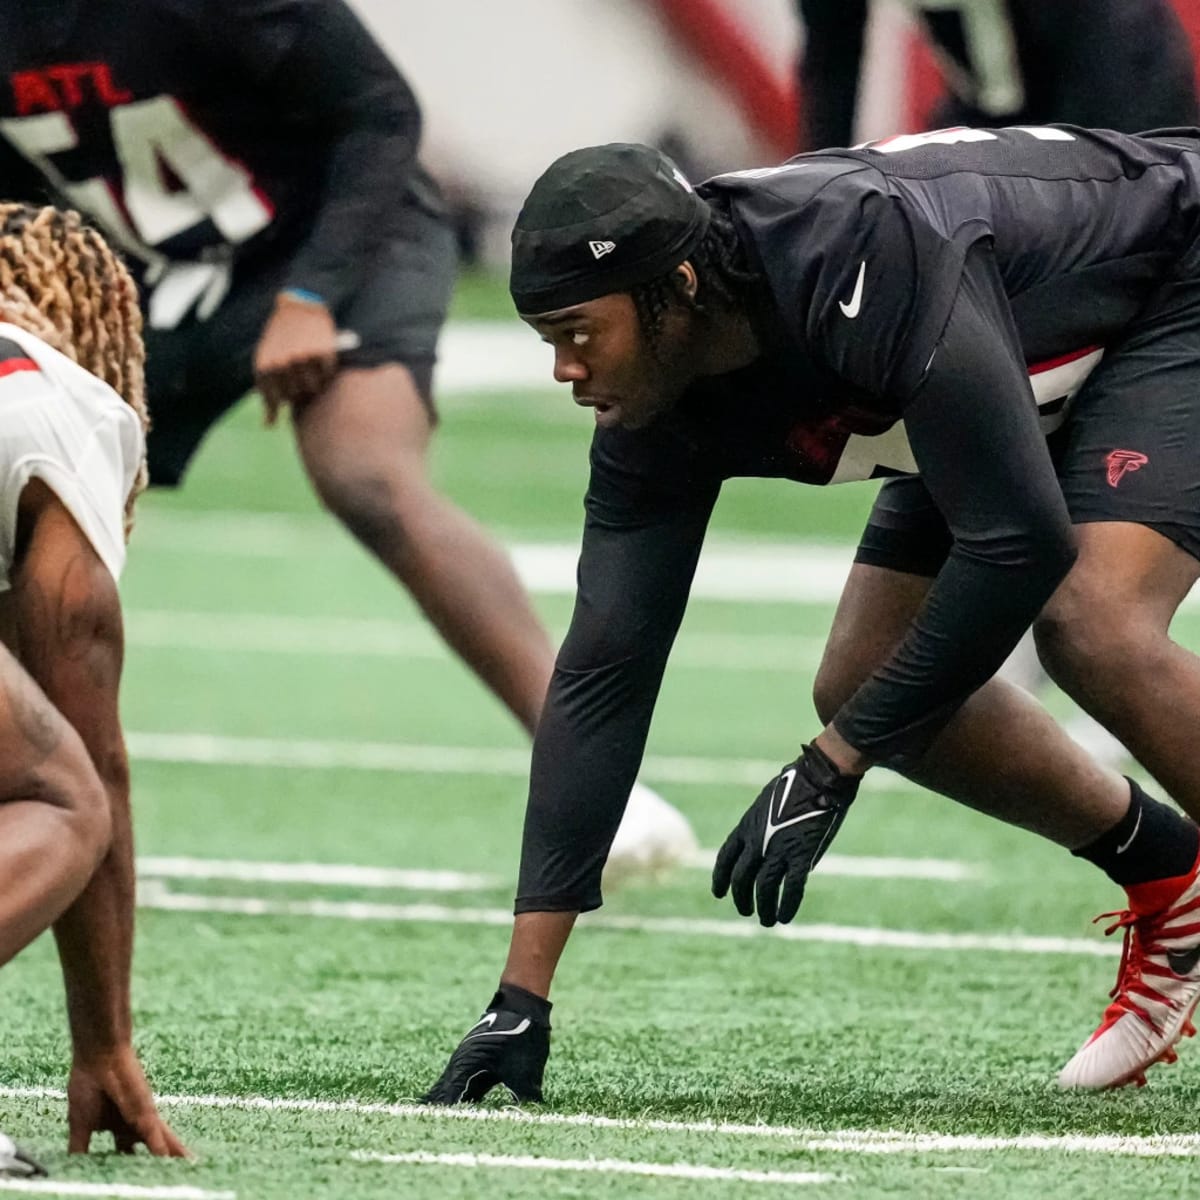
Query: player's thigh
(378, 413)
(902, 548)
(1131, 449)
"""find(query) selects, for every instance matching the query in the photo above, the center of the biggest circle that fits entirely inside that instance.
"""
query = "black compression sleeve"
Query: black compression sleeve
(336, 70)
(974, 433)
(828, 69)
(633, 588)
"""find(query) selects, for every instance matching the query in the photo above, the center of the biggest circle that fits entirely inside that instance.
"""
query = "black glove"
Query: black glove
(508, 1045)
(782, 836)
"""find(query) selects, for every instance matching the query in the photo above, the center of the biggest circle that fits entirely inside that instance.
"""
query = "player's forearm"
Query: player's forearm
(95, 943)
(538, 940)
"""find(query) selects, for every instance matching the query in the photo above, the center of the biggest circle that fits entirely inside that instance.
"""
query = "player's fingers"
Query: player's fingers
(272, 398)
(723, 867)
(125, 1139)
(766, 892)
(745, 872)
(793, 893)
(478, 1085)
(79, 1134)
(160, 1141)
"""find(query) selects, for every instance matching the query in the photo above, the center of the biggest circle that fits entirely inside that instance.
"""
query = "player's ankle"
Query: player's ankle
(1147, 851)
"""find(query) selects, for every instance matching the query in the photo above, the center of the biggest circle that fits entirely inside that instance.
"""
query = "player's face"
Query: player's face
(601, 351)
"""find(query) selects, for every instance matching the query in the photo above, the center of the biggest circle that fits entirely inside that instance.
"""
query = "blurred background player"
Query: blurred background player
(72, 461)
(1111, 64)
(256, 161)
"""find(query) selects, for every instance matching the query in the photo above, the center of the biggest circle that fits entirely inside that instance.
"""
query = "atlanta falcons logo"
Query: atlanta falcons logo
(1120, 461)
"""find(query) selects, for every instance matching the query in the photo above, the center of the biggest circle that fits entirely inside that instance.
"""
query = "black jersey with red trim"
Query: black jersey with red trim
(1115, 64)
(210, 131)
(910, 292)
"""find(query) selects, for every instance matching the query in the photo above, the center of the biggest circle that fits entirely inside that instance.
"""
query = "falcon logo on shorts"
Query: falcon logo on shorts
(1121, 461)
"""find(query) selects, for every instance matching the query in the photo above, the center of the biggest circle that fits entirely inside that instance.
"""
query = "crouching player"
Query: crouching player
(72, 461)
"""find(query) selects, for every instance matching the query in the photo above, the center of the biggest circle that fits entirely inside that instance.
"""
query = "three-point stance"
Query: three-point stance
(72, 461)
(1009, 322)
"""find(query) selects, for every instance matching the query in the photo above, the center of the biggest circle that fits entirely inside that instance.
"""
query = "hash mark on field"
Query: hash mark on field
(603, 1166)
(214, 749)
(159, 897)
(58, 1187)
(863, 1141)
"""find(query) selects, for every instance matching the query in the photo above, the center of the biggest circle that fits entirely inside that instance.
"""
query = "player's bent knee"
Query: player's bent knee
(1077, 636)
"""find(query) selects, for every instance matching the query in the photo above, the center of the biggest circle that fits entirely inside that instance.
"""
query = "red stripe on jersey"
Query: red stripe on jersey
(1062, 360)
(10, 366)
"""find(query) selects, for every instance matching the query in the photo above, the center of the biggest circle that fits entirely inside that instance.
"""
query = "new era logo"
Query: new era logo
(600, 249)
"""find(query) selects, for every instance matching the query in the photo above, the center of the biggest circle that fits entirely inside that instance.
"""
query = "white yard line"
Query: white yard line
(157, 896)
(800, 1137)
(269, 633)
(597, 1166)
(123, 1191)
(351, 875)
(311, 753)
(319, 874)
(866, 866)
(750, 571)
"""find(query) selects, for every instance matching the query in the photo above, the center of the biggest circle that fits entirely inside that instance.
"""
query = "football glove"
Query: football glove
(508, 1045)
(782, 836)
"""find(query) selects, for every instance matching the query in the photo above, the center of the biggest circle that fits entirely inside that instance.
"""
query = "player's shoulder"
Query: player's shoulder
(795, 182)
(15, 359)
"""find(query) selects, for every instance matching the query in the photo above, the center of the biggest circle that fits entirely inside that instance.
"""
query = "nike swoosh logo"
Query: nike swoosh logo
(1183, 962)
(1136, 826)
(520, 1027)
(851, 310)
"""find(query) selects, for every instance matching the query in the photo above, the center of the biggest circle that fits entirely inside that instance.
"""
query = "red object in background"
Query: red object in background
(707, 30)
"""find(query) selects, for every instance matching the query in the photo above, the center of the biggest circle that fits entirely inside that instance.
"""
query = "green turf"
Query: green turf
(648, 1025)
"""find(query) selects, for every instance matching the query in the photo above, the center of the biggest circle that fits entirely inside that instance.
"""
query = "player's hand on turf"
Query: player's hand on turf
(297, 354)
(782, 836)
(109, 1093)
(508, 1046)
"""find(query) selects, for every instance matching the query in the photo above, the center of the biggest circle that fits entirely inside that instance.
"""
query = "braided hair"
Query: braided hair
(725, 278)
(60, 280)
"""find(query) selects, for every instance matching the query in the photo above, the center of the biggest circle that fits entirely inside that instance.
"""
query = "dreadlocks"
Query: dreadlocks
(60, 280)
(725, 278)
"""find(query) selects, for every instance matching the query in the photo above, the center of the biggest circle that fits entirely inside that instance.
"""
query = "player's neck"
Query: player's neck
(724, 341)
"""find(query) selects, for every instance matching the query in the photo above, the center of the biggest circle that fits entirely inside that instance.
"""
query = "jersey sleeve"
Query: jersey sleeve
(829, 69)
(315, 60)
(975, 437)
(641, 543)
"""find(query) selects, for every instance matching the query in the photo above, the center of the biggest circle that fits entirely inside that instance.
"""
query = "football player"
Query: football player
(1008, 323)
(1114, 64)
(72, 461)
(256, 161)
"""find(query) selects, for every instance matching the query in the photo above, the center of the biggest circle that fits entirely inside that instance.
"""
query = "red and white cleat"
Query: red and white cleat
(1158, 987)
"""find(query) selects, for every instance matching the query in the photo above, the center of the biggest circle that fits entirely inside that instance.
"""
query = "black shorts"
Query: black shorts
(197, 371)
(1129, 450)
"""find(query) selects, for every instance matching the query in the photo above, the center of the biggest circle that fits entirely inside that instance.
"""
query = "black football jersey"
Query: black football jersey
(919, 296)
(200, 134)
(1115, 64)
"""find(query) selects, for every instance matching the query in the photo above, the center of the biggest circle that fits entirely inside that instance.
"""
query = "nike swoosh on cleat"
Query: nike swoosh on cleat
(1183, 962)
